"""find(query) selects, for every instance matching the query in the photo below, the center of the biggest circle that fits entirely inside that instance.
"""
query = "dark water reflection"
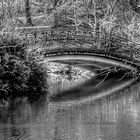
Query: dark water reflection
(115, 117)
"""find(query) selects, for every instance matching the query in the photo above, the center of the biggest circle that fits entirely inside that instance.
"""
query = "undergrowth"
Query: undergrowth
(19, 76)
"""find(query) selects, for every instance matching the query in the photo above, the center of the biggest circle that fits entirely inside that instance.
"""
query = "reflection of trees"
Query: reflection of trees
(22, 120)
(111, 117)
(62, 82)
(64, 76)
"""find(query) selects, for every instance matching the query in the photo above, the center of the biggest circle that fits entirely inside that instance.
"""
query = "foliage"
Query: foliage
(14, 75)
(18, 75)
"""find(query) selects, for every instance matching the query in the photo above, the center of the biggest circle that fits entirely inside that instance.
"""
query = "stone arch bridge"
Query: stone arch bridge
(124, 56)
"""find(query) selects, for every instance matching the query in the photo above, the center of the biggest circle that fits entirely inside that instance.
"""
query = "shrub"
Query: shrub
(19, 76)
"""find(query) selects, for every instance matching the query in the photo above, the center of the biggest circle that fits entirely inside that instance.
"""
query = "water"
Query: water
(113, 117)
(63, 76)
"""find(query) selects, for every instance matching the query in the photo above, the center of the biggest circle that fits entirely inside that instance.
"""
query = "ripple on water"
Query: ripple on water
(10, 132)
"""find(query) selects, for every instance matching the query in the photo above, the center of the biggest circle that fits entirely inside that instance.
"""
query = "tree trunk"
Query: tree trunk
(55, 14)
(56, 20)
(28, 14)
(45, 13)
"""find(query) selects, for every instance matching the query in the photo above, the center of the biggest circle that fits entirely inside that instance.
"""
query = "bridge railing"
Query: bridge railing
(32, 35)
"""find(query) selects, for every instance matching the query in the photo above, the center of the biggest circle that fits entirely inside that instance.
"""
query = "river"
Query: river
(82, 112)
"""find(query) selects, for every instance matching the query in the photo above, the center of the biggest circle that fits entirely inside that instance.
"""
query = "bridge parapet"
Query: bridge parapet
(94, 52)
(42, 34)
(69, 33)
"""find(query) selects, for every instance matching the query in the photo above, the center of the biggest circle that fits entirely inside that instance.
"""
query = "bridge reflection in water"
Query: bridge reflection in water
(116, 116)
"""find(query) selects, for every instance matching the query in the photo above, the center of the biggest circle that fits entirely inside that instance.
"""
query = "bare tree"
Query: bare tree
(56, 20)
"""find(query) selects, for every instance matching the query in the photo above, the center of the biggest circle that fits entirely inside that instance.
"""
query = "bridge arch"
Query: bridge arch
(94, 57)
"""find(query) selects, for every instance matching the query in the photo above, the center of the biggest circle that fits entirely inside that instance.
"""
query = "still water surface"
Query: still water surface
(114, 117)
